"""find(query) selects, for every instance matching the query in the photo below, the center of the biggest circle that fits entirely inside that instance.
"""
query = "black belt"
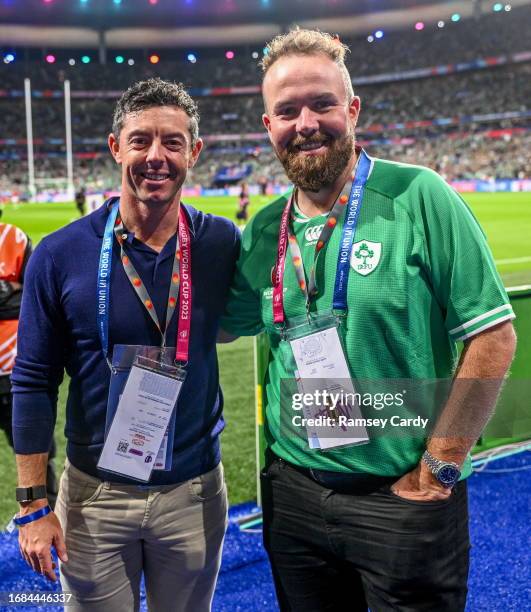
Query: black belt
(340, 482)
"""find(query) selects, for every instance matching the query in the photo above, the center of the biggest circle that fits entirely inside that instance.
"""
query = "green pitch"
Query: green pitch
(506, 219)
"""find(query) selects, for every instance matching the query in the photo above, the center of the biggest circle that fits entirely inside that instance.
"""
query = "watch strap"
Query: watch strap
(27, 494)
(431, 461)
(435, 465)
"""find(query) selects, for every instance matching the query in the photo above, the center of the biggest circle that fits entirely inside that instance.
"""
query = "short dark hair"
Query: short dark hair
(151, 93)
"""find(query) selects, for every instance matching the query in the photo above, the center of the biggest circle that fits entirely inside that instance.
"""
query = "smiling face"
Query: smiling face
(155, 151)
(309, 119)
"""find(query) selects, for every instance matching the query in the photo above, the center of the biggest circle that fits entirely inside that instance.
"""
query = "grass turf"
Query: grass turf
(506, 219)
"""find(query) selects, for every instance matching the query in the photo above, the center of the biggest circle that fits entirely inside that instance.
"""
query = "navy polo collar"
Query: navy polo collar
(99, 217)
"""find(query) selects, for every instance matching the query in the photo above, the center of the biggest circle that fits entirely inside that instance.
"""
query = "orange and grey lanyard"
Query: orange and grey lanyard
(310, 289)
(180, 285)
(350, 197)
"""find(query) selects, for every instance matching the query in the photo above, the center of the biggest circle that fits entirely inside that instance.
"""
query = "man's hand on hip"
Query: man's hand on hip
(35, 540)
(420, 485)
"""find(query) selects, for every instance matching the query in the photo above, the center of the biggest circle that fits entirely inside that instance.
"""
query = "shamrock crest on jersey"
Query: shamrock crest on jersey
(365, 256)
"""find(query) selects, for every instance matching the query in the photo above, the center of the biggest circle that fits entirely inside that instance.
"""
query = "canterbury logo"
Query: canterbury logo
(312, 233)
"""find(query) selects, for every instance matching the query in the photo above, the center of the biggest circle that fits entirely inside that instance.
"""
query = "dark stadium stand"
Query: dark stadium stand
(455, 123)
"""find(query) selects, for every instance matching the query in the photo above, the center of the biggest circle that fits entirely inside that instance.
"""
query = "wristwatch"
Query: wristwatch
(446, 472)
(27, 494)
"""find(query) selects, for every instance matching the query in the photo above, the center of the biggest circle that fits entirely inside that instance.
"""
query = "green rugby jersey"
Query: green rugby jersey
(421, 278)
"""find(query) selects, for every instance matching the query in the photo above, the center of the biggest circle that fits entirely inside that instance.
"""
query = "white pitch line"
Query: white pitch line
(519, 288)
(502, 262)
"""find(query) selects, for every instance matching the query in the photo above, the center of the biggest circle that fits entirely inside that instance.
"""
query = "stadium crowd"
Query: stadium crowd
(459, 156)
(493, 34)
(456, 95)
(481, 155)
(466, 107)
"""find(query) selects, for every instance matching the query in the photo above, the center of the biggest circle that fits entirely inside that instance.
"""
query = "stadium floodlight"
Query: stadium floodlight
(85, 59)
(370, 38)
(419, 26)
(440, 24)
(131, 61)
(50, 58)
(456, 17)
(229, 55)
(378, 34)
(71, 62)
(154, 59)
(497, 7)
(119, 59)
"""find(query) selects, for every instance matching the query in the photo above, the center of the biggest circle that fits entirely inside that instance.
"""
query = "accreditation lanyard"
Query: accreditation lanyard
(180, 285)
(351, 197)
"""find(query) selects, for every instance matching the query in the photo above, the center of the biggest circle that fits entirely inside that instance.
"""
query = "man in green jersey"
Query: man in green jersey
(382, 524)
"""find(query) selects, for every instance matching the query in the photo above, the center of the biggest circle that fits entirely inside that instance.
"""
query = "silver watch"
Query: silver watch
(446, 472)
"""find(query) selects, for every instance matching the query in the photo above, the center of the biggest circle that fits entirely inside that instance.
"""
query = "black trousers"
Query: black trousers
(6, 415)
(334, 551)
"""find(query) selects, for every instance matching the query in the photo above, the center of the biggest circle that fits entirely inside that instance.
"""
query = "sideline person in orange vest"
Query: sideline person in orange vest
(15, 249)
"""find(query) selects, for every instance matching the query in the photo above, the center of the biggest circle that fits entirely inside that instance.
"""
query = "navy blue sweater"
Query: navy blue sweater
(58, 331)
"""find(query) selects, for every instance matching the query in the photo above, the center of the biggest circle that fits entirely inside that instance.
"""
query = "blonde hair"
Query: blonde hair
(309, 42)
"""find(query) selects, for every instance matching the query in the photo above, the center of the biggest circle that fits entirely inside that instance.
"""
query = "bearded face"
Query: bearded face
(310, 116)
(317, 161)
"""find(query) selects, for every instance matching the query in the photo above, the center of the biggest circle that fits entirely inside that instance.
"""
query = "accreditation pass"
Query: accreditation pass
(140, 422)
(321, 365)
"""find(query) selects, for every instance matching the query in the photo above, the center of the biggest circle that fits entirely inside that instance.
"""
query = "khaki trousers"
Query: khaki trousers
(172, 534)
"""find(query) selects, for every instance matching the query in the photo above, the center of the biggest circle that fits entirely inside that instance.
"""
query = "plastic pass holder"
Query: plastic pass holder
(153, 359)
(174, 370)
(312, 350)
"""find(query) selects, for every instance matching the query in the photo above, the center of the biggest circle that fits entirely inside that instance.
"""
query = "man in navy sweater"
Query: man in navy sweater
(122, 278)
